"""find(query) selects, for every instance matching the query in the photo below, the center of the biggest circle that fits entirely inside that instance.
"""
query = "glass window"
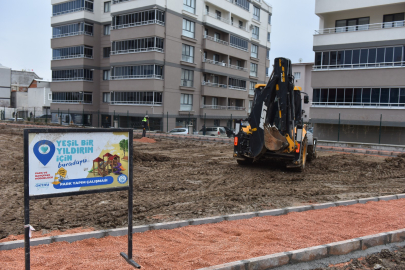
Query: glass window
(107, 29)
(356, 57)
(137, 45)
(255, 32)
(239, 43)
(138, 19)
(268, 36)
(268, 54)
(324, 95)
(106, 75)
(188, 28)
(256, 13)
(269, 20)
(394, 95)
(189, 5)
(186, 102)
(340, 58)
(75, 29)
(348, 58)
(236, 84)
(389, 55)
(242, 3)
(254, 49)
(380, 55)
(375, 96)
(348, 96)
(372, 54)
(402, 97)
(333, 59)
(393, 20)
(253, 69)
(356, 24)
(106, 97)
(107, 6)
(325, 59)
(357, 92)
(332, 96)
(340, 96)
(106, 52)
(297, 75)
(363, 56)
(72, 75)
(366, 97)
(73, 52)
(316, 95)
(187, 54)
(398, 55)
(72, 6)
(137, 72)
(318, 59)
(187, 78)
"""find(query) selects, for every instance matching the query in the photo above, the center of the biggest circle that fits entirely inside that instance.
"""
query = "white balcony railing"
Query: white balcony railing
(140, 50)
(222, 19)
(186, 83)
(187, 58)
(360, 66)
(245, 7)
(128, 25)
(72, 57)
(217, 40)
(213, 62)
(214, 107)
(363, 27)
(136, 77)
(236, 108)
(78, 33)
(238, 67)
(237, 88)
(186, 107)
(77, 79)
(214, 84)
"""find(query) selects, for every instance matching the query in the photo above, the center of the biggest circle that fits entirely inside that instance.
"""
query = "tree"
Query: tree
(124, 145)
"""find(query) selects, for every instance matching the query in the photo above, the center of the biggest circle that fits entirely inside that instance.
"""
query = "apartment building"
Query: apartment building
(359, 72)
(179, 61)
(302, 76)
(5, 86)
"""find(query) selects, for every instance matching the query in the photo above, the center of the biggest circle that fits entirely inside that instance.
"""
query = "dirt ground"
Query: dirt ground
(182, 179)
(384, 260)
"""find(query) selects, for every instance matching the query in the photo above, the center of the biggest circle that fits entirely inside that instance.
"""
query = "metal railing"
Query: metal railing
(78, 33)
(119, 1)
(253, 73)
(134, 77)
(151, 49)
(238, 4)
(236, 108)
(214, 107)
(213, 62)
(237, 88)
(359, 105)
(238, 67)
(217, 40)
(128, 25)
(251, 92)
(189, 9)
(72, 57)
(362, 27)
(71, 79)
(360, 66)
(126, 102)
(186, 107)
(222, 19)
(72, 101)
(72, 10)
(238, 47)
(214, 84)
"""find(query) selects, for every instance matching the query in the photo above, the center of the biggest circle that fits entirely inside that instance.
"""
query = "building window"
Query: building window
(217, 122)
(256, 13)
(137, 45)
(349, 25)
(72, 6)
(187, 53)
(393, 20)
(269, 19)
(72, 52)
(136, 98)
(254, 49)
(107, 29)
(239, 43)
(106, 52)
(255, 32)
(189, 5)
(72, 75)
(187, 78)
(361, 58)
(268, 36)
(242, 3)
(154, 16)
(236, 84)
(252, 88)
(297, 75)
(106, 75)
(362, 97)
(74, 29)
(137, 72)
(268, 54)
(253, 69)
(49, 96)
(250, 106)
(186, 102)
(107, 7)
(207, 9)
(188, 28)
(72, 97)
(267, 72)
(107, 97)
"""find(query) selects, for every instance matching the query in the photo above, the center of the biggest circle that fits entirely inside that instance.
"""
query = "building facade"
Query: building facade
(180, 61)
(302, 76)
(5, 87)
(359, 71)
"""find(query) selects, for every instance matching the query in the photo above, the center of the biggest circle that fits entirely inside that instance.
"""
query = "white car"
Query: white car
(179, 131)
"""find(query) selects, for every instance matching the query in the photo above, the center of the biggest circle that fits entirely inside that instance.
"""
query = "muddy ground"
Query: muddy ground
(183, 179)
(384, 260)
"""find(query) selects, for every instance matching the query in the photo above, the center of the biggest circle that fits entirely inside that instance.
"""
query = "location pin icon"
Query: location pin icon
(44, 151)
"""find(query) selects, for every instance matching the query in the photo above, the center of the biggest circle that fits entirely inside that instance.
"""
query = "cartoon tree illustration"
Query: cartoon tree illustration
(124, 145)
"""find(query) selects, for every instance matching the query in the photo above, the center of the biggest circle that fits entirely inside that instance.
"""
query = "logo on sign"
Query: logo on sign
(122, 179)
(42, 185)
(44, 151)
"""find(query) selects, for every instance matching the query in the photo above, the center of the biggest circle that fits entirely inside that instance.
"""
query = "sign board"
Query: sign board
(73, 162)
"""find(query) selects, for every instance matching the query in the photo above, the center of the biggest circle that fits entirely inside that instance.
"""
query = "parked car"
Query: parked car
(213, 131)
(13, 119)
(44, 116)
(179, 131)
(229, 132)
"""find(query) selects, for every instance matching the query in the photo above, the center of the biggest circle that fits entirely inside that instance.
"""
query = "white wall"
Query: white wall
(326, 6)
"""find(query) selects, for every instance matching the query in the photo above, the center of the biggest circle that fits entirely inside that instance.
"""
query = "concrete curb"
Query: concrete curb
(198, 221)
(313, 253)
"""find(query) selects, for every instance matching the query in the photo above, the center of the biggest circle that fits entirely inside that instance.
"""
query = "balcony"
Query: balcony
(238, 8)
(123, 5)
(222, 90)
(328, 6)
(360, 33)
(223, 47)
(226, 24)
(132, 85)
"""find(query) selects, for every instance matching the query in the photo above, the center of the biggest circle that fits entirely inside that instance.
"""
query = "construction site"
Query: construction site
(177, 179)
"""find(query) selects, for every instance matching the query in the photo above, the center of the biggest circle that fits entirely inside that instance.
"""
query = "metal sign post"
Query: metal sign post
(50, 153)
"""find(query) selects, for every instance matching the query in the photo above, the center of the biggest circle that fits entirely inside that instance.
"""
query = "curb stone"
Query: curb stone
(199, 221)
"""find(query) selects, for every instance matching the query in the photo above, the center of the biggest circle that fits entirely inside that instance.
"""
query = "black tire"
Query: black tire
(246, 161)
(312, 154)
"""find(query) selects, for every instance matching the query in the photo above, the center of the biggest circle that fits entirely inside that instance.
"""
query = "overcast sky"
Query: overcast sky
(26, 33)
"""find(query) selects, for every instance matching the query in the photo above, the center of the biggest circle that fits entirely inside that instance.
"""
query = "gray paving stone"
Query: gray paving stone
(401, 196)
(241, 216)
(343, 247)
(11, 245)
(298, 208)
(169, 225)
(345, 203)
(323, 205)
(275, 212)
(199, 221)
(387, 198)
(371, 199)
(374, 240)
(269, 261)
(397, 236)
(139, 229)
(117, 232)
(77, 236)
(309, 254)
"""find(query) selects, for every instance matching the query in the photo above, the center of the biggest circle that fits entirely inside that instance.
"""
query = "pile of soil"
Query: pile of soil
(145, 140)
(177, 179)
(384, 260)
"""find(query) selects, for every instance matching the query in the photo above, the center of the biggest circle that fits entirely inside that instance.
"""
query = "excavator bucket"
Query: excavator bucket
(273, 140)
